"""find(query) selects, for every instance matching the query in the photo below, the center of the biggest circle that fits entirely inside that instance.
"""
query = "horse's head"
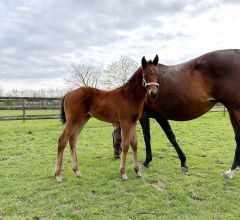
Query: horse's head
(150, 76)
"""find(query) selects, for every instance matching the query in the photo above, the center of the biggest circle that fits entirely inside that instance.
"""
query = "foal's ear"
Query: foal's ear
(144, 62)
(155, 61)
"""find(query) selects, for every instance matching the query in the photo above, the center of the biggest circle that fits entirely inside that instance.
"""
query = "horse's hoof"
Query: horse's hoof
(184, 169)
(139, 174)
(116, 156)
(124, 177)
(78, 173)
(58, 179)
(145, 165)
(229, 174)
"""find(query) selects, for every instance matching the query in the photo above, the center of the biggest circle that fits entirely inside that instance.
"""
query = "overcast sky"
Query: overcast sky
(39, 39)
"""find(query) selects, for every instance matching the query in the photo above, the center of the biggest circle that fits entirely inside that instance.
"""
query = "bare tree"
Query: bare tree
(119, 72)
(51, 92)
(13, 93)
(84, 75)
(56, 93)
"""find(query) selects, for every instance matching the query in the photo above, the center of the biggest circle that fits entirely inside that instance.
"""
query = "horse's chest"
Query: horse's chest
(135, 117)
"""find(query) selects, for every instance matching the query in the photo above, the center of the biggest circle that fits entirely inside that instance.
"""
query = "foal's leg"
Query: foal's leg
(235, 120)
(73, 147)
(125, 133)
(133, 143)
(171, 137)
(62, 142)
(144, 121)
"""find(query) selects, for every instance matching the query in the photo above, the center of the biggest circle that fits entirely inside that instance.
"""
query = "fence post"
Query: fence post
(24, 109)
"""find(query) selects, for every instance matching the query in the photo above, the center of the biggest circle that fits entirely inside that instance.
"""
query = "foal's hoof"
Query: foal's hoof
(124, 177)
(229, 174)
(58, 179)
(139, 174)
(184, 169)
(78, 173)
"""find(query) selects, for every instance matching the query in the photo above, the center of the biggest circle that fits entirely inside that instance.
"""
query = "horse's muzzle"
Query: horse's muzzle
(153, 95)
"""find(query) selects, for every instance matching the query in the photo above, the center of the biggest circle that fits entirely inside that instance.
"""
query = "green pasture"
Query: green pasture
(28, 189)
(28, 112)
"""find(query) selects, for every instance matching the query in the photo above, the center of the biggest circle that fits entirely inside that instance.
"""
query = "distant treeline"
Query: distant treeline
(53, 93)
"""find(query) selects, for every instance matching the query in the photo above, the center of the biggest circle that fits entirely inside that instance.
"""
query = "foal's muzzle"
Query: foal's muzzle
(152, 91)
(152, 88)
(153, 95)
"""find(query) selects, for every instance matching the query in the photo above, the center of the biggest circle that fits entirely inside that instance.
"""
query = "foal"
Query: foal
(123, 105)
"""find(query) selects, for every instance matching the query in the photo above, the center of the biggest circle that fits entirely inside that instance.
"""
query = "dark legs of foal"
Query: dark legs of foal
(235, 120)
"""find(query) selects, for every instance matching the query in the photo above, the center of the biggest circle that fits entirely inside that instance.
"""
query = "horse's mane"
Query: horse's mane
(135, 75)
(132, 78)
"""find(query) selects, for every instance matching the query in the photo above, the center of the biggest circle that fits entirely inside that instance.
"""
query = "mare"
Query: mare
(123, 105)
(187, 91)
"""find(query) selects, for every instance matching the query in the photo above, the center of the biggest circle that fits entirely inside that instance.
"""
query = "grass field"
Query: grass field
(28, 112)
(28, 189)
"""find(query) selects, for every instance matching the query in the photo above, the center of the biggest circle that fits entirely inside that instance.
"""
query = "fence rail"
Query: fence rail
(24, 104)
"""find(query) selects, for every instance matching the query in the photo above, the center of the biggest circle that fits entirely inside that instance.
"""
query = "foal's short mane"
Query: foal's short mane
(133, 78)
(135, 75)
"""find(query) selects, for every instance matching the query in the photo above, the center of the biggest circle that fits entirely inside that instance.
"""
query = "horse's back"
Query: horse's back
(219, 64)
(190, 89)
(221, 71)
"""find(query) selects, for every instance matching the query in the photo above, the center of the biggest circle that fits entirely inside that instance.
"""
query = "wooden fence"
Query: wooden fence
(22, 105)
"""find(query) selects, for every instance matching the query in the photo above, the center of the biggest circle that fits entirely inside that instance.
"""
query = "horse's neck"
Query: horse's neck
(135, 88)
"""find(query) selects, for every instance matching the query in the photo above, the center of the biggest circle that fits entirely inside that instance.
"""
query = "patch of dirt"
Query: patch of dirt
(195, 197)
(159, 185)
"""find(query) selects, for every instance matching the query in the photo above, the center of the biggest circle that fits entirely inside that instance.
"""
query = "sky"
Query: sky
(40, 39)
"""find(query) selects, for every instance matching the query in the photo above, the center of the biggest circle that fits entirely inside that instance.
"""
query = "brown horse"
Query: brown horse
(123, 105)
(189, 90)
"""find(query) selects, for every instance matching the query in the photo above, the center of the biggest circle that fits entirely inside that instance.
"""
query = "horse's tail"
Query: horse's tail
(63, 115)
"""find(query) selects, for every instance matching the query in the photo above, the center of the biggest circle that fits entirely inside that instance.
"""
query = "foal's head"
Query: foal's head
(150, 77)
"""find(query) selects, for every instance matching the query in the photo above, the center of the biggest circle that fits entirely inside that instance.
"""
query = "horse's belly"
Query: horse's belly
(103, 112)
(186, 112)
(180, 108)
(104, 115)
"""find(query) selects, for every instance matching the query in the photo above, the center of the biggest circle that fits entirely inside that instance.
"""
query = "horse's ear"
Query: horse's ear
(144, 62)
(155, 61)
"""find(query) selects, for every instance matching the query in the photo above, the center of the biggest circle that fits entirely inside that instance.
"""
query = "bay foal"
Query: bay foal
(123, 105)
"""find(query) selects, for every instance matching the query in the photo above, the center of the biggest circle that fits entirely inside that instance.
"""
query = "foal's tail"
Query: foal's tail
(63, 115)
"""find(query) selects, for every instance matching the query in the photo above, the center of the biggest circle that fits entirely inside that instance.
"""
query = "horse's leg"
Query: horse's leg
(133, 143)
(116, 135)
(62, 142)
(235, 120)
(171, 137)
(144, 121)
(73, 146)
(125, 133)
